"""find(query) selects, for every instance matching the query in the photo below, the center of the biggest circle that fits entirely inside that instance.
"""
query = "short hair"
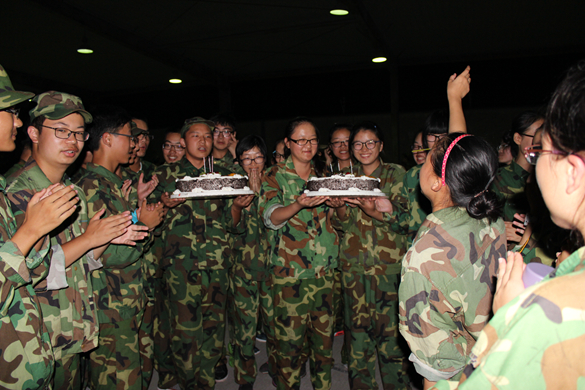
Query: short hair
(106, 119)
(250, 142)
(366, 126)
(224, 119)
(436, 123)
(338, 126)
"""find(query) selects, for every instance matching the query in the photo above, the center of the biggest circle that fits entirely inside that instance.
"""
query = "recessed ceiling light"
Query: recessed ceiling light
(84, 50)
(379, 59)
(175, 81)
(339, 12)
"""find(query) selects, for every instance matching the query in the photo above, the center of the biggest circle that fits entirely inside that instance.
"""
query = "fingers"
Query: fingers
(465, 72)
(141, 178)
(98, 215)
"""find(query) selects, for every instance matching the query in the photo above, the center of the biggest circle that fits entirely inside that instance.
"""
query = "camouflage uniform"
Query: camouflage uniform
(509, 185)
(15, 168)
(195, 261)
(227, 161)
(303, 253)
(536, 340)
(250, 298)
(448, 279)
(69, 313)
(418, 205)
(119, 288)
(371, 253)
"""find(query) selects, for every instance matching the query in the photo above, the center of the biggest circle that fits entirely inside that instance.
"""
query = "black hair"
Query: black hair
(138, 116)
(520, 124)
(508, 140)
(224, 119)
(338, 126)
(471, 167)
(290, 128)
(436, 123)
(106, 119)
(38, 122)
(250, 142)
(363, 126)
(173, 130)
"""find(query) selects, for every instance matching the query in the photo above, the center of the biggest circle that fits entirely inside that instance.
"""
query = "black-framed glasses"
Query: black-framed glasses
(277, 155)
(357, 145)
(337, 144)
(168, 146)
(133, 138)
(65, 133)
(12, 110)
(145, 135)
(532, 153)
(303, 142)
(257, 160)
(225, 133)
(528, 135)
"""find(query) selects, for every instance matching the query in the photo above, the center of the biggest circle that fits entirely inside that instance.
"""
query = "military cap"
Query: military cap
(135, 130)
(192, 121)
(8, 96)
(56, 105)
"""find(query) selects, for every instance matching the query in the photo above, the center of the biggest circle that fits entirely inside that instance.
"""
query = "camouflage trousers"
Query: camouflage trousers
(197, 309)
(371, 316)
(117, 362)
(163, 362)
(146, 344)
(250, 304)
(68, 372)
(303, 313)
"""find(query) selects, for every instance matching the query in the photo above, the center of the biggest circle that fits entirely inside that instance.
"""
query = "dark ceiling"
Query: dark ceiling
(280, 58)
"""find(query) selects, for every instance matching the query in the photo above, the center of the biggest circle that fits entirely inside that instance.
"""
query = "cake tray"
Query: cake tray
(212, 194)
(345, 193)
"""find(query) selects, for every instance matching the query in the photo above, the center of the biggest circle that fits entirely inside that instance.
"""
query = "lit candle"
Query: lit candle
(351, 166)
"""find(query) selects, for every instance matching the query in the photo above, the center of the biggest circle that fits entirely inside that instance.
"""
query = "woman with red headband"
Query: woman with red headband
(448, 274)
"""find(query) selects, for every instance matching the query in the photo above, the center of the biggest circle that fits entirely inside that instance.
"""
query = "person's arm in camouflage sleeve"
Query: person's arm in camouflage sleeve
(395, 220)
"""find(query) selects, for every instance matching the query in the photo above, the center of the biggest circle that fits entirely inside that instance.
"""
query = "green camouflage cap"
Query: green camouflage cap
(192, 121)
(56, 105)
(8, 96)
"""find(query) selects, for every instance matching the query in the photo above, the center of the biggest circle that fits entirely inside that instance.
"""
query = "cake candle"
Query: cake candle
(351, 166)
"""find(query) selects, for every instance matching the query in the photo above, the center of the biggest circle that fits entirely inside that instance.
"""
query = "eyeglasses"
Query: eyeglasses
(177, 148)
(303, 142)
(257, 160)
(357, 145)
(434, 137)
(133, 138)
(337, 144)
(145, 136)
(418, 149)
(503, 146)
(64, 133)
(277, 155)
(528, 135)
(225, 133)
(532, 153)
(12, 110)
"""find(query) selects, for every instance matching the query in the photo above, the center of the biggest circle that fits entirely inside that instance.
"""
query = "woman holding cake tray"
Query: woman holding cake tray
(302, 255)
(371, 251)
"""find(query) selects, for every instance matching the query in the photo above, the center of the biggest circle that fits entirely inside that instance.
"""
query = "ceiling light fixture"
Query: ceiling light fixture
(84, 47)
(339, 12)
(378, 60)
(175, 81)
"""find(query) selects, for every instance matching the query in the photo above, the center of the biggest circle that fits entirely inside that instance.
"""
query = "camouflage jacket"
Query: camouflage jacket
(250, 245)
(194, 233)
(305, 246)
(536, 340)
(418, 206)
(446, 289)
(370, 246)
(26, 361)
(119, 285)
(509, 185)
(226, 161)
(15, 168)
(69, 313)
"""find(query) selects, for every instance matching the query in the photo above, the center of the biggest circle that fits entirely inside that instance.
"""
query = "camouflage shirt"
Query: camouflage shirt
(370, 246)
(27, 357)
(418, 206)
(69, 313)
(227, 161)
(305, 246)
(15, 168)
(448, 280)
(194, 232)
(536, 340)
(119, 285)
(509, 185)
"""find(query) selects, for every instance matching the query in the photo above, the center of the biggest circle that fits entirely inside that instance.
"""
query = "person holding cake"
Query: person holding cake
(370, 253)
(303, 251)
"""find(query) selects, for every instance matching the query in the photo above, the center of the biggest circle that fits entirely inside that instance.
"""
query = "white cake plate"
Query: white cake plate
(212, 194)
(349, 194)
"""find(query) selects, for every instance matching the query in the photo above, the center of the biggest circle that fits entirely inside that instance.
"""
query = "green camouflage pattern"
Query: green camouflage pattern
(307, 245)
(69, 371)
(370, 246)
(192, 121)
(26, 361)
(56, 105)
(371, 310)
(8, 96)
(448, 280)
(418, 206)
(536, 340)
(509, 186)
(15, 168)
(69, 313)
(303, 319)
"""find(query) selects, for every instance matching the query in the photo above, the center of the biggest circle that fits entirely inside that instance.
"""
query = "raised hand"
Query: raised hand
(509, 284)
(145, 189)
(127, 189)
(254, 180)
(459, 86)
(233, 144)
(101, 231)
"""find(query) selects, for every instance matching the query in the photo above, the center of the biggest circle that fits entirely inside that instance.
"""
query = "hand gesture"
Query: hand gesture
(127, 189)
(133, 233)
(233, 144)
(510, 283)
(145, 189)
(243, 201)
(170, 203)
(309, 201)
(151, 215)
(383, 205)
(254, 181)
(335, 202)
(458, 86)
(48, 208)
(101, 231)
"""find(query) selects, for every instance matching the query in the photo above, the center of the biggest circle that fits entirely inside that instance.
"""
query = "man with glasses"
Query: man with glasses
(144, 139)
(57, 132)
(224, 140)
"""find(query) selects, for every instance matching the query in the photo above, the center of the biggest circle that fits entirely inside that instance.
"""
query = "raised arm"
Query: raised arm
(457, 88)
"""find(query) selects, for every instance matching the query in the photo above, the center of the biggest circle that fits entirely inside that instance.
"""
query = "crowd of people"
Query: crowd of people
(106, 277)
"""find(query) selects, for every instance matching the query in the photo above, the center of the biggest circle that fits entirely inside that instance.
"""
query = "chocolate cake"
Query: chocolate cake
(211, 182)
(343, 183)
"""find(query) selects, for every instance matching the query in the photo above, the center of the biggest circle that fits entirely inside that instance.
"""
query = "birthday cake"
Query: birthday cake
(211, 182)
(343, 182)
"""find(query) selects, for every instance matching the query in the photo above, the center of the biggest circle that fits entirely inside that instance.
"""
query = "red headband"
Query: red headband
(446, 156)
